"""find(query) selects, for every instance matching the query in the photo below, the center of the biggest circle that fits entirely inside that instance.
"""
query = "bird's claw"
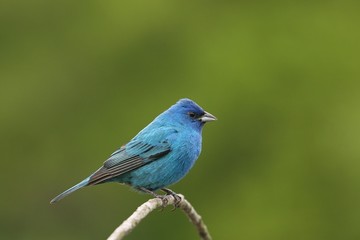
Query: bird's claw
(164, 201)
(177, 201)
(177, 198)
(161, 197)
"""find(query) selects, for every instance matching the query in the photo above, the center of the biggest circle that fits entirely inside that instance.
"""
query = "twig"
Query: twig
(141, 212)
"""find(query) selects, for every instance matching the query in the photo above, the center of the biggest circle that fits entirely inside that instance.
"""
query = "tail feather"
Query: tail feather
(71, 190)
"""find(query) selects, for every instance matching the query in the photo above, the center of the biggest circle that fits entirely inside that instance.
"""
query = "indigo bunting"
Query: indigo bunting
(159, 155)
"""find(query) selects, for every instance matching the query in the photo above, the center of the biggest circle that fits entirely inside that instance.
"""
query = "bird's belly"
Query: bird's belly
(160, 173)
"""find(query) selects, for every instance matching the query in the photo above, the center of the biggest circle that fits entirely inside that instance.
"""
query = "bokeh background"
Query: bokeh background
(80, 78)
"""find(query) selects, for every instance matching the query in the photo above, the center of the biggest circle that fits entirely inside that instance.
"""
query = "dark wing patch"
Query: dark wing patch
(121, 161)
(104, 173)
(159, 154)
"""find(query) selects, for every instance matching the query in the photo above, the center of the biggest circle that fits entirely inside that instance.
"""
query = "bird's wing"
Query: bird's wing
(129, 157)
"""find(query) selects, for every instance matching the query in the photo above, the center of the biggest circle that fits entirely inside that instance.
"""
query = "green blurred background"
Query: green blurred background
(80, 78)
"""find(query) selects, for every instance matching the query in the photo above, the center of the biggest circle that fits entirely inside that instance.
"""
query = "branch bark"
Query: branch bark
(142, 211)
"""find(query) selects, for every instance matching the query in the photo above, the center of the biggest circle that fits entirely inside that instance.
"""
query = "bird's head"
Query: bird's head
(186, 111)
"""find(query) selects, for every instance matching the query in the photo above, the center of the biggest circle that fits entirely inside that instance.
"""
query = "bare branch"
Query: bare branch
(141, 212)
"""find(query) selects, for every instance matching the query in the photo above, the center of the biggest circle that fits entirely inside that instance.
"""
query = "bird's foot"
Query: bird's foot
(155, 195)
(164, 201)
(177, 198)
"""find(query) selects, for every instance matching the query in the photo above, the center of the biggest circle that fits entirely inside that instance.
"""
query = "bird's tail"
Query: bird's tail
(71, 190)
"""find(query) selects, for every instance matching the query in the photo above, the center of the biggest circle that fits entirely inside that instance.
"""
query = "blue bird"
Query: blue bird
(159, 155)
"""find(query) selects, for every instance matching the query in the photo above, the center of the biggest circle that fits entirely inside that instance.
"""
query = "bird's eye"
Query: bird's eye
(191, 114)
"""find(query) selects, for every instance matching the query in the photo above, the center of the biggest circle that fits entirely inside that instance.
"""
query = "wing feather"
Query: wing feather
(127, 158)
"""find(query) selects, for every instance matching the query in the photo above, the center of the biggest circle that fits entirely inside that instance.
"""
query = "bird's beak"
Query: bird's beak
(207, 117)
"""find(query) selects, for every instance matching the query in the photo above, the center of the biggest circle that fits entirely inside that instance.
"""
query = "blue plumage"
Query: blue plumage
(159, 155)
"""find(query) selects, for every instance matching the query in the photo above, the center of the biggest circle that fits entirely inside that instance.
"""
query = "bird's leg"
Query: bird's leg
(162, 197)
(175, 195)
